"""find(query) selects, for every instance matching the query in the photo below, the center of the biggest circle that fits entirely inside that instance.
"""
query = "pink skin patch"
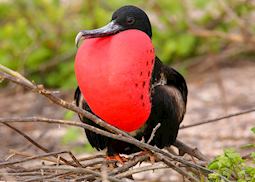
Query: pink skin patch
(114, 75)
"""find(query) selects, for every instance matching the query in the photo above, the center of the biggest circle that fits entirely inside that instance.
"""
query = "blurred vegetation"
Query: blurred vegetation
(231, 165)
(37, 37)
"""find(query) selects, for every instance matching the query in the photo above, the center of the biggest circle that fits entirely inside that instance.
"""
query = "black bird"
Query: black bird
(168, 91)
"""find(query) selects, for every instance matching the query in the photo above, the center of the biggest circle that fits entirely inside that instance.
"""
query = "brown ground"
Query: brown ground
(211, 94)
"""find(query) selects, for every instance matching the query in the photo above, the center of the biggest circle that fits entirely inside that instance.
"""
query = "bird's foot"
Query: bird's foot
(118, 158)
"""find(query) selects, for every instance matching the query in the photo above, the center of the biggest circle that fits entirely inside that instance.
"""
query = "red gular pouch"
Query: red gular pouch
(114, 74)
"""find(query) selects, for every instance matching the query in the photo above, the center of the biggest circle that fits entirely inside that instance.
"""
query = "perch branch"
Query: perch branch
(129, 164)
(191, 151)
(141, 169)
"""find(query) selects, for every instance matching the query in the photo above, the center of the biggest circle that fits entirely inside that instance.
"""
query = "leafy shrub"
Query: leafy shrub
(233, 166)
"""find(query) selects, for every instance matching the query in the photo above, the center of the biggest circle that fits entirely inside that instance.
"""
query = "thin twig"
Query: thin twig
(176, 168)
(15, 74)
(25, 154)
(43, 148)
(43, 178)
(141, 169)
(5, 164)
(218, 119)
(33, 173)
(153, 133)
(81, 170)
(191, 151)
(129, 164)
(93, 162)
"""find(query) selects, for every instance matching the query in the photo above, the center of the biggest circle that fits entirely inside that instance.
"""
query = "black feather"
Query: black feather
(97, 141)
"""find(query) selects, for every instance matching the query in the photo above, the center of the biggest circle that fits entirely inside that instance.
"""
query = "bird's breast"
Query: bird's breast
(114, 75)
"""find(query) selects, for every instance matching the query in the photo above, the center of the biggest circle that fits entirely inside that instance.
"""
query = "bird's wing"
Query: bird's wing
(97, 141)
(169, 98)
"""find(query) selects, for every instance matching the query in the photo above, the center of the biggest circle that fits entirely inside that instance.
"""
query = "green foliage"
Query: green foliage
(227, 163)
(37, 37)
(232, 166)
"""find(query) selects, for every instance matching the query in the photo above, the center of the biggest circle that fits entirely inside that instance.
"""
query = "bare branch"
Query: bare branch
(141, 169)
(4, 164)
(45, 177)
(81, 170)
(41, 147)
(153, 133)
(129, 164)
(191, 151)
(218, 119)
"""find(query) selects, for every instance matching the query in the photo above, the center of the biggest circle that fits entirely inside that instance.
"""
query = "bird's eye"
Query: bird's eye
(130, 20)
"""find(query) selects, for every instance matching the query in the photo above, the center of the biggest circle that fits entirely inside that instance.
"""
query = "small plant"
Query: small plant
(233, 166)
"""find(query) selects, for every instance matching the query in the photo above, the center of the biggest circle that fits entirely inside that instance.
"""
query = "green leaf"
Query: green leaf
(213, 165)
(250, 171)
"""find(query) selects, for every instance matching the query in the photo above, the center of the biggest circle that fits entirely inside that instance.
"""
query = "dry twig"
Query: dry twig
(191, 151)
(218, 119)
(43, 148)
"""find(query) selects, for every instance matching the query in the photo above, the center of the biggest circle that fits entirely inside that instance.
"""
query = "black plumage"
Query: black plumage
(168, 91)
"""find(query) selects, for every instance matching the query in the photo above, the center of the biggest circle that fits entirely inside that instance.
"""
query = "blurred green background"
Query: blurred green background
(37, 37)
(195, 36)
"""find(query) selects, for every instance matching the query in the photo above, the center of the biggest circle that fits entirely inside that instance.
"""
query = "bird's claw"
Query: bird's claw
(118, 158)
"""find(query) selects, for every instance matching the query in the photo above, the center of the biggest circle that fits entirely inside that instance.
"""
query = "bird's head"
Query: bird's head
(125, 18)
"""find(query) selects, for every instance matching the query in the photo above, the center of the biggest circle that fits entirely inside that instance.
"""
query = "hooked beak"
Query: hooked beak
(109, 29)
